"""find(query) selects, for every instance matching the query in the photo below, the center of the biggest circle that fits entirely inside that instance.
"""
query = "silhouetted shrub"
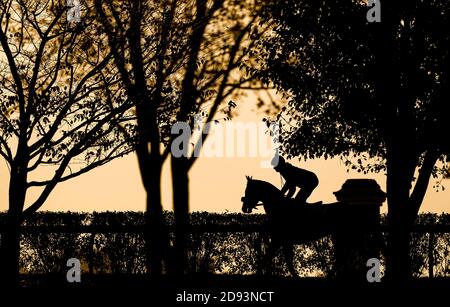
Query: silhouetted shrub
(209, 251)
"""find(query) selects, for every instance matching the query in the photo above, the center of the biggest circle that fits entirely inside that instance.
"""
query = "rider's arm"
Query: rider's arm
(284, 189)
(291, 191)
(289, 188)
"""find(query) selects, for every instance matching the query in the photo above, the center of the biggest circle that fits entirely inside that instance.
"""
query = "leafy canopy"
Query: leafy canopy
(359, 87)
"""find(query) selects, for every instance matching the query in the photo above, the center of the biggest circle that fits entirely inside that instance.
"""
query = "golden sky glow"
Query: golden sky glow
(217, 184)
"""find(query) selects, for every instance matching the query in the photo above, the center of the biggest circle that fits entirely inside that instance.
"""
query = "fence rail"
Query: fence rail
(211, 228)
(138, 228)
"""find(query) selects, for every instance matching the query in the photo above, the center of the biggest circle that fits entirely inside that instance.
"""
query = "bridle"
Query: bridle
(257, 204)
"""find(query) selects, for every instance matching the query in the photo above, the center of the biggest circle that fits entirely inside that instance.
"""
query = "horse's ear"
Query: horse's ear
(248, 178)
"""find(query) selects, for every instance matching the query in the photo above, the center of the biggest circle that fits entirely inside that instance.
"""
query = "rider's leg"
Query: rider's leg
(306, 191)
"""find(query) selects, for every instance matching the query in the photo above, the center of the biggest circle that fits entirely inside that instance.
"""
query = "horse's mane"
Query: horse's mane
(267, 185)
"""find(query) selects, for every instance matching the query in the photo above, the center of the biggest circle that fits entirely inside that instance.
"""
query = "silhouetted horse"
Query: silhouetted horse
(289, 222)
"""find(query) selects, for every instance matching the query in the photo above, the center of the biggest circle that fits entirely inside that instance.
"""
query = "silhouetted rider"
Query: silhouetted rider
(295, 177)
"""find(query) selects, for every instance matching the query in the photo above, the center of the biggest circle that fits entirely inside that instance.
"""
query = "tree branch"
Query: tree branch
(421, 185)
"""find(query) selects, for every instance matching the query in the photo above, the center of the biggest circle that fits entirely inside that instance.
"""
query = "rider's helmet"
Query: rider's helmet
(277, 162)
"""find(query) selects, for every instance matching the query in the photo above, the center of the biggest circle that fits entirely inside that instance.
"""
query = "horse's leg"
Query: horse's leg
(268, 259)
(288, 251)
(264, 246)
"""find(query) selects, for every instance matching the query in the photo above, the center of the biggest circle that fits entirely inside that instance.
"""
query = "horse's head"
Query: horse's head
(249, 201)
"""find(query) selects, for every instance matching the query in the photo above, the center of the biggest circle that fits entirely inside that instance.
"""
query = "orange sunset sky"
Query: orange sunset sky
(217, 184)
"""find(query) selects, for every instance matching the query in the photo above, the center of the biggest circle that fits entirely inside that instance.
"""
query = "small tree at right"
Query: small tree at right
(357, 89)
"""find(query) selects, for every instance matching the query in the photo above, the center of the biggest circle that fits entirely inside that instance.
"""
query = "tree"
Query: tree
(147, 40)
(176, 58)
(62, 110)
(374, 90)
(219, 51)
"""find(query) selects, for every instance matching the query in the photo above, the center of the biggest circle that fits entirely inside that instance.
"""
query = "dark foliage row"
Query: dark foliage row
(209, 252)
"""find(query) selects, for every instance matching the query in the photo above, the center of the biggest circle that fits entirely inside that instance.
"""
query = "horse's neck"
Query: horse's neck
(268, 192)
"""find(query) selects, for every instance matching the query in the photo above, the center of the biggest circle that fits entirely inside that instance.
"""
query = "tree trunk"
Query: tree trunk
(10, 252)
(180, 185)
(156, 232)
(399, 175)
(11, 245)
(398, 253)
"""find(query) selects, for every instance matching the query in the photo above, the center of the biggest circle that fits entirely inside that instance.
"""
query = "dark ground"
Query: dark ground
(139, 291)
